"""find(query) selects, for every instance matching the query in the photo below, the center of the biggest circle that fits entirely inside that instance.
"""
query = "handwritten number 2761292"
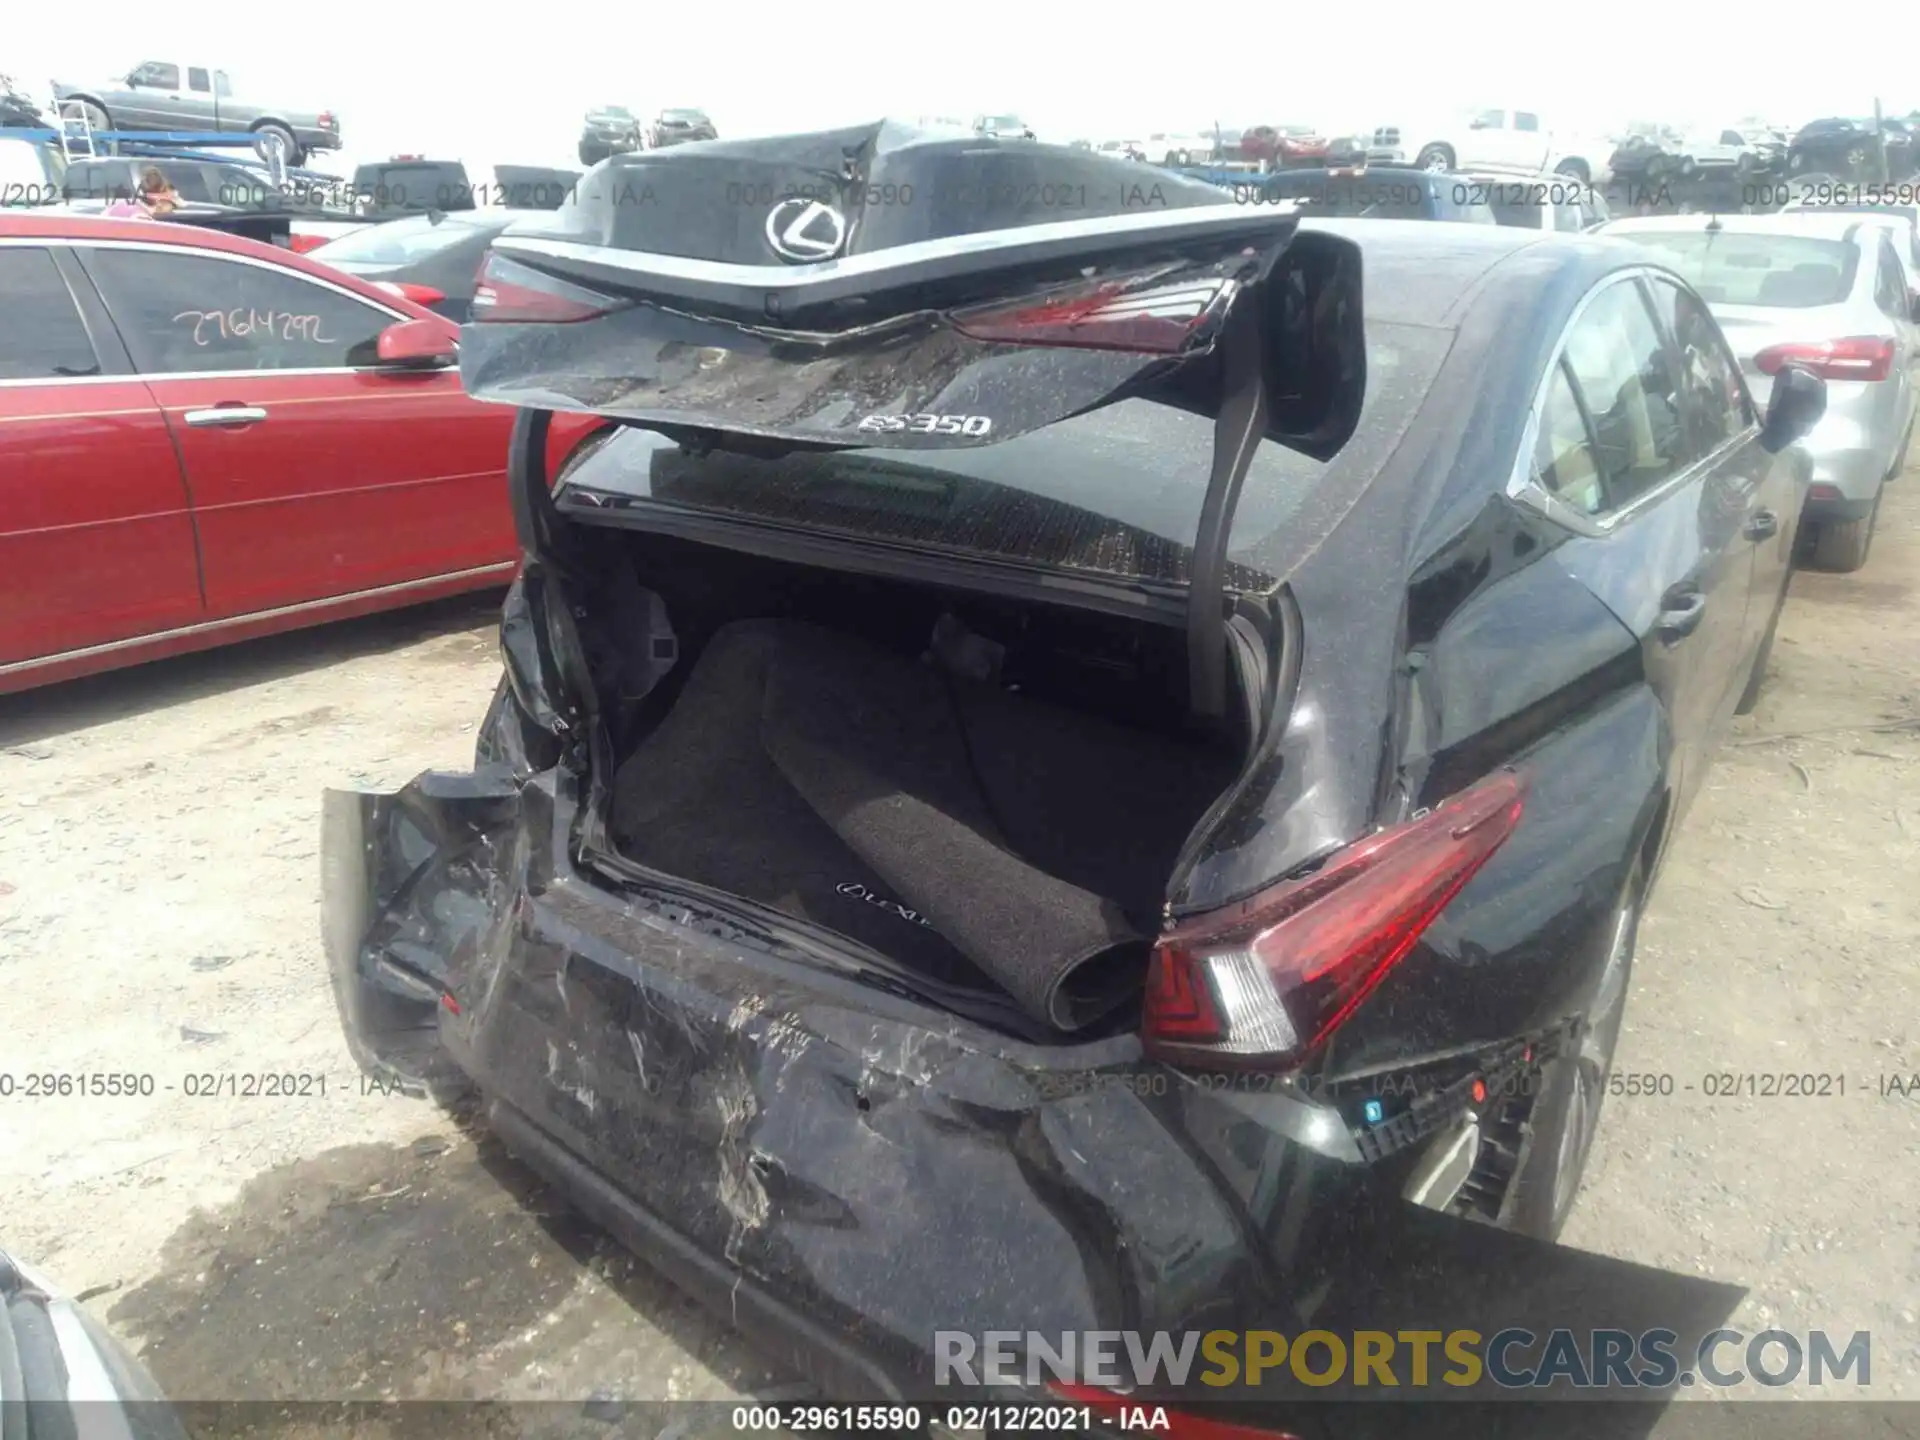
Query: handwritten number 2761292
(240, 324)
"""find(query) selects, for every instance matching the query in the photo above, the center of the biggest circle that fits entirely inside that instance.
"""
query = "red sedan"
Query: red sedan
(204, 438)
(1284, 146)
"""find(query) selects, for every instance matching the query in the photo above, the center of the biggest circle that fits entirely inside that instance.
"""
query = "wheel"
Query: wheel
(97, 116)
(1689, 167)
(1437, 158)
(1746, 164)
(1841, 545)
(1574, 170)
(1756, 680)
(1566, 1108)
(267, 136)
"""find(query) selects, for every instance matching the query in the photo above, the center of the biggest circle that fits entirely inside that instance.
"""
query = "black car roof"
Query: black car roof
(1420, 273)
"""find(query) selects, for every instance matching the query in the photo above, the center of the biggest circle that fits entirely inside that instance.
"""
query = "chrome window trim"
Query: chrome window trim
(90, 242)
(1525, 490)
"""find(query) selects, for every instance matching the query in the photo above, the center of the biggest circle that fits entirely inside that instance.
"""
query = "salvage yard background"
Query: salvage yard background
(159, 915)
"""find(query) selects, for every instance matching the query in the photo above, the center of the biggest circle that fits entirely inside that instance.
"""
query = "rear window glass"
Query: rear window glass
(413, 187)
(1519, 214)
(1116, 492)
(1778, 271)
(399, 242)
(1358, 195)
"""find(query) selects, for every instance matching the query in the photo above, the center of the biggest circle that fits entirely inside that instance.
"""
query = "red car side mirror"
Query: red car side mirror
(417, 345)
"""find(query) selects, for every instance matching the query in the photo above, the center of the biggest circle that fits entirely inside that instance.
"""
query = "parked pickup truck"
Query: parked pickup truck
(1508, 139)
(161, 95)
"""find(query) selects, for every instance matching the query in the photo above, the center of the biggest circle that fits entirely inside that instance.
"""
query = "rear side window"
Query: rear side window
(1564, 462)
(1792, 272)
(1519, 214)
(1523, 121)
(182, 314)
(1890, 283)
(1622, 370)
(1357, 196)
(189, 183)
(197, 79)
(99, 180)
(1714, 398)
(42, 338)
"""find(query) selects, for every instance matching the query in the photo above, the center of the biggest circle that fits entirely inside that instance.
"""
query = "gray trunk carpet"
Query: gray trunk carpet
(974, 835)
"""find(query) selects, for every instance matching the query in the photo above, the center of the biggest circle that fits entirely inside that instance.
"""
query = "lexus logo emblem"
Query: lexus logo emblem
(802, 230)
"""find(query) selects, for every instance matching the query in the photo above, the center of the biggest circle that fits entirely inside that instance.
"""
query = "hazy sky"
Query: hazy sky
(502, 82)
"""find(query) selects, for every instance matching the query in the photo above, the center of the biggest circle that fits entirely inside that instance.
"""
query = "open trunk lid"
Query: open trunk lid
(882, 287)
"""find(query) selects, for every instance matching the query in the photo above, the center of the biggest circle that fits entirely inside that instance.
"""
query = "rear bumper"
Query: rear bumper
(316, 139)
(843, 1173)
(1851, 456)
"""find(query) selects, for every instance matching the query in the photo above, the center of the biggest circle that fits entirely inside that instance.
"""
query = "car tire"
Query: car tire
(1565, 1117)
(290, 148)
(1439, 158)
(1757, 677)
(1574, 170)
(1841, 546)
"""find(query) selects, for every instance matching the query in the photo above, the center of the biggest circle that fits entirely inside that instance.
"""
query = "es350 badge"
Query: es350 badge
(974, 425)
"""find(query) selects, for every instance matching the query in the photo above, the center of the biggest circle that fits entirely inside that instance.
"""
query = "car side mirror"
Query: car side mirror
(1798, 401)
(419, 345)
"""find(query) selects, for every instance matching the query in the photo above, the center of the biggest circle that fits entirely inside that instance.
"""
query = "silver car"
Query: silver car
(1827, 292)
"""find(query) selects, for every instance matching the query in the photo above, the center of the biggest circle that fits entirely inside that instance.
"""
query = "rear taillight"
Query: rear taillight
(1153, 319)
(305, 244)
(407, 290)
(1860, 357)
(1264, 981)
(511, 293)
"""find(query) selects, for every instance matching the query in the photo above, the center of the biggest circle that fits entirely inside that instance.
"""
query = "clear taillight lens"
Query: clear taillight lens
(508, 292)
(1261, 983)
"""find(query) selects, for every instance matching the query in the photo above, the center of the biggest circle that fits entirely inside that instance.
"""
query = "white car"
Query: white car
(1002, 127)
(1515, 140)
(1186, 147)
(1724, 150)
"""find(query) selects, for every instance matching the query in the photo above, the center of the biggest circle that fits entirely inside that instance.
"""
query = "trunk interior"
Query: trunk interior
(991, 794)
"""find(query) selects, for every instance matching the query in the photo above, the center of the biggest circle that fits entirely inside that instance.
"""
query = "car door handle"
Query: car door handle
(1764, 526)
(1681, 609)
(227, 415)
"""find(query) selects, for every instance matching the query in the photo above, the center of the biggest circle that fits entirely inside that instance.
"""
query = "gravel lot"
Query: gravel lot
(159, 915)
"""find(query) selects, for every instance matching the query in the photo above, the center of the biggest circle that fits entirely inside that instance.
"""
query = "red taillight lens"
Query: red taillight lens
(511, 293)
(1860, 357)
(1180, 1424)
(1152, 319)
(1264, 981)
(305, 244)
(407, 290)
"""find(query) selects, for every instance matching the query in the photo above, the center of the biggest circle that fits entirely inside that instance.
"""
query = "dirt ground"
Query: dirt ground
(159, 916)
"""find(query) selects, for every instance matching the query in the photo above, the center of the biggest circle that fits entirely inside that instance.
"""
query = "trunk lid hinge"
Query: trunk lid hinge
(1237, 434)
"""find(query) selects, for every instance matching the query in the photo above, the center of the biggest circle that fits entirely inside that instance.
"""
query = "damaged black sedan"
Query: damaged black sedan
(1060, 759)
